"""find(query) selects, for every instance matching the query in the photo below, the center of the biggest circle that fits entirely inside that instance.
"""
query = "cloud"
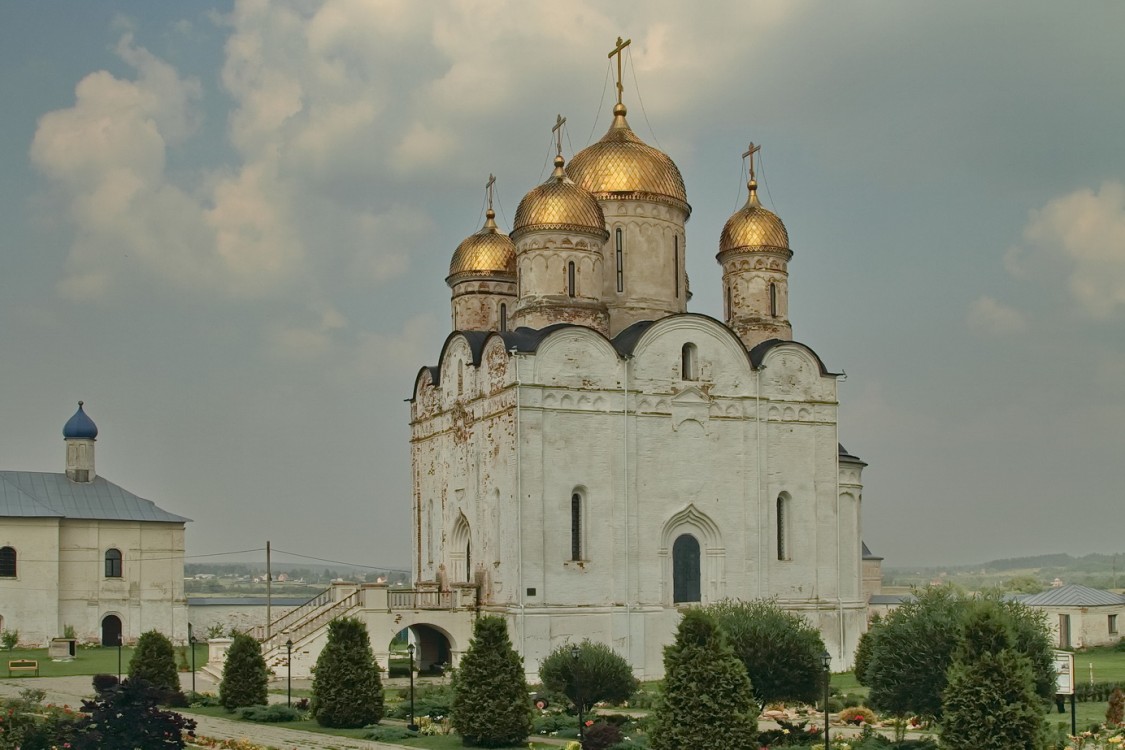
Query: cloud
(988, 316)
(1080, 235)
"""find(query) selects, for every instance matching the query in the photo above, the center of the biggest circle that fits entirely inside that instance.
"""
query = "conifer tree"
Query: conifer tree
(154, 662)
(990, 701)
(707, 700)
(245, 677)
(491, 707)
(347, 690)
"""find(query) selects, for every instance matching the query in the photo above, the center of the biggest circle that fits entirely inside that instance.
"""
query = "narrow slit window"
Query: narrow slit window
(620, 261)
(773, 300)
(570, 279)
(726, 303)
(503, 317)
(688, 364)
(782, 528)
(676, 264)
(576, 526)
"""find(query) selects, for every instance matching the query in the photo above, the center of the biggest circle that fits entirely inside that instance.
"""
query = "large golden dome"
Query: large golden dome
(621, 165)
(489, 252)
(559, 204)
(753, 228)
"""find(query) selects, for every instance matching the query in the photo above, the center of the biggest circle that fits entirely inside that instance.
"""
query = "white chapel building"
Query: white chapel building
(80, 551)
(595, 458)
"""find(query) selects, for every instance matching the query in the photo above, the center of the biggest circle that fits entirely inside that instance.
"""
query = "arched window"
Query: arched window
(773, 300)
(676, 263)
(783, 524)
(503, 316)
(112, 563)
(570, 285)
(685, 569)
(689, 368)
(620, 253)
(576, 526)
(7, 562)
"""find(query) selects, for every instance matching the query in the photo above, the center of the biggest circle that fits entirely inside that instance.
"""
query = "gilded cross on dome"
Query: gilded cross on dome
(557, 130)
(750, 153)
(488, 189)
(621, 45)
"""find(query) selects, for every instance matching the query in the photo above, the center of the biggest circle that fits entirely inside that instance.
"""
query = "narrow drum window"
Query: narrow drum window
(503, 317)
(688, 365)
(676, 264)
(570, 279)
(726, 303)
(576, 526)
(782, 527)
(773, 300)
(113, 563)
(620, 262)
(7, 562)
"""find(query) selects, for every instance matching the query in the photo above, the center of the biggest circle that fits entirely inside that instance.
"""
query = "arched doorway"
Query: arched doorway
(685, 569)
(111, 630)
(432, 651)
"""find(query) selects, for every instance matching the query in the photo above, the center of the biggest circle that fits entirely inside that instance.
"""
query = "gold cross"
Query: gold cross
(557, 130)
(750, 152)
(488, 187)
(621, 45)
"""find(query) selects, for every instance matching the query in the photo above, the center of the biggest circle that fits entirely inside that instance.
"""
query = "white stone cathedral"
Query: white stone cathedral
(595, 458)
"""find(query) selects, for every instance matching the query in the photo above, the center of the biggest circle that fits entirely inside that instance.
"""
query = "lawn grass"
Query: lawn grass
(88, 661)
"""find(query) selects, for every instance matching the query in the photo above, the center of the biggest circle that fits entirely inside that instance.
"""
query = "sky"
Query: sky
(226, 228)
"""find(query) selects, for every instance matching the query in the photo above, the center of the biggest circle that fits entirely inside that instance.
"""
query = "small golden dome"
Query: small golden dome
(559, 204)
(753, 227)
(621, 165)
(489, 252)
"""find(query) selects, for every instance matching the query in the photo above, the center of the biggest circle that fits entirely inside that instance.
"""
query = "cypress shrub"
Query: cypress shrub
(707, 700)
(154, 662)
(347, 690)
(990, 701)
(245, 677)
(491, 706)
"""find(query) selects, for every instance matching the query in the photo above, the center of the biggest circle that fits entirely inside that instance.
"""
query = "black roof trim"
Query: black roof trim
(849, 458)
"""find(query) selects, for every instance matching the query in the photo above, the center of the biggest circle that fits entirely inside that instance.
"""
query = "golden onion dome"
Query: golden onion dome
(559, 204)
(754, 228)
(622, 166)
(489, 252)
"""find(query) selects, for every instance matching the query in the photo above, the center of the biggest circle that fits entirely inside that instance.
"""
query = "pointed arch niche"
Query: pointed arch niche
(693, 558)
(461, 551)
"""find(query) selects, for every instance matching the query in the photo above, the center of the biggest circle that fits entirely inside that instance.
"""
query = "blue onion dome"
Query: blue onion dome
(80, 426)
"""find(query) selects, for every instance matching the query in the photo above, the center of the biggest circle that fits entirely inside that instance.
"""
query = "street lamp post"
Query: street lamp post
(191, 645)
(289, 672)
(575, 654)
(826, 662)
(412, 726)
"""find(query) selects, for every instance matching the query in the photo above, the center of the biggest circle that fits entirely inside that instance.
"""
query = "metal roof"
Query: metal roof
(42, 494)
(1073, 595)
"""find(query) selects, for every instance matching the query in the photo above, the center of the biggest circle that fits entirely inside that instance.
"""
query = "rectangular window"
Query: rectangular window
(676, 264)
(620, 262)
(1113, 624)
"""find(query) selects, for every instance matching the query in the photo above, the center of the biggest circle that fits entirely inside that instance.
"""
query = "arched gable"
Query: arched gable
(793, 372)
(579, 357)
(719, 355)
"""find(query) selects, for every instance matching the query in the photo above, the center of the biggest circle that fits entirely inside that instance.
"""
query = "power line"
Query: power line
(341, 562)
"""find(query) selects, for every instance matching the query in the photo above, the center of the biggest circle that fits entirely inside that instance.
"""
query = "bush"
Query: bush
(154, 661)
(272, 714)
(707, 701)
(10, 639)
(202, 699)
(857, 715)
(435, 701)
(390, 734)
(347, 690)
(588, 673)
(561, 724)
(491, 707)
(104, 682)
(789, 733)
(26, 723)
(245, 679)
(1115, 711)
(862, 656)
(601, 736)
(128, 717)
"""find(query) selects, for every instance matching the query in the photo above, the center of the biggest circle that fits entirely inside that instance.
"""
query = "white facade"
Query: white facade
(79, 551)
(593, 486)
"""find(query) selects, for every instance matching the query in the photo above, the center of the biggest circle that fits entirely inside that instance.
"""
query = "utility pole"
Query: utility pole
(269, 584)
